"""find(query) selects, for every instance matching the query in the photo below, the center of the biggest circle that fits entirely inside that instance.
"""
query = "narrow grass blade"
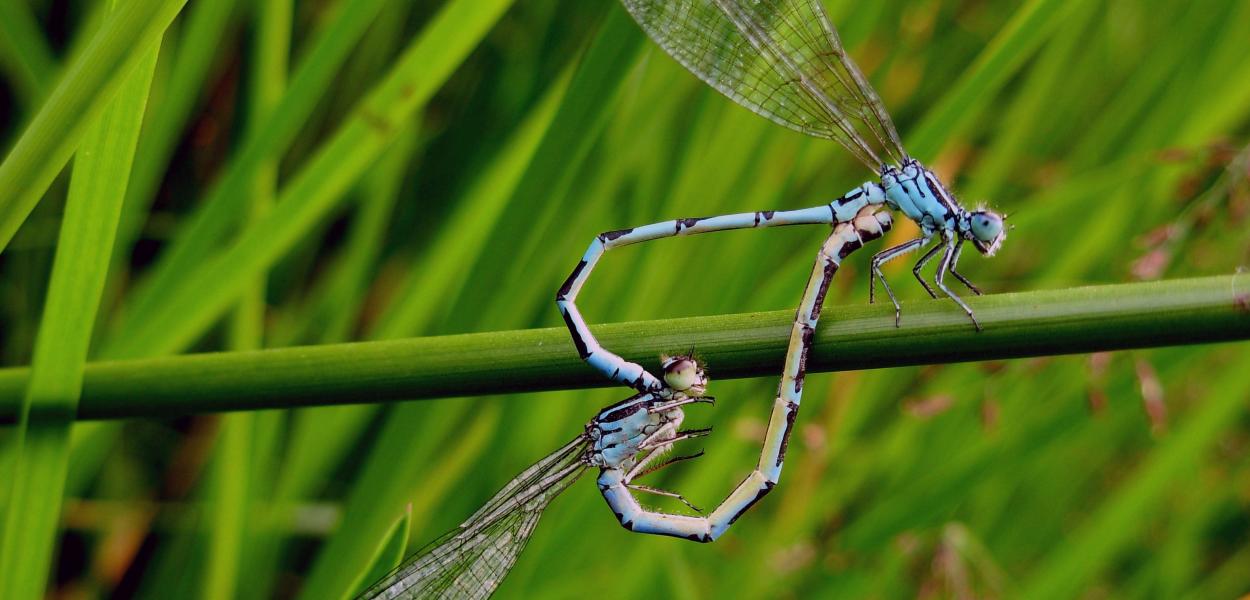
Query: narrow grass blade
(386, 485)
(246, 440)
(85, 245)
(335, 308)
(463, 238)
(229, 506)
(390, 553)
(1032, 24)
(200, 36)
(131, 33)
(24, 53)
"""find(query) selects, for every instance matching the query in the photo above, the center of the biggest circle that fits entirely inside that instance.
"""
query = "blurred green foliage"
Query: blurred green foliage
(438, 167)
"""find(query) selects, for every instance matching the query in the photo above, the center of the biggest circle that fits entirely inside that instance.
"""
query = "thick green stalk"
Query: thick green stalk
(1090, 319)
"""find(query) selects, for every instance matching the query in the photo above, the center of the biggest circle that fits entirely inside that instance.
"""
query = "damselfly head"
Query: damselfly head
(684, 373)
(986, 230)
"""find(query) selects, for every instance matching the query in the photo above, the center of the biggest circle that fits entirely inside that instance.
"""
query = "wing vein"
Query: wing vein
(469, 562)
(781, 59)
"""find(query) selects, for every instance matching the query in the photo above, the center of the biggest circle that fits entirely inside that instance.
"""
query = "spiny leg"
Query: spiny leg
(681, 436)
(659, 442)
(883, 257)
(651, 450)
(636, 473)
(682, 401)
(951, 247)
(924, 260)
(959, 248)
(615, 484)
(659, 492)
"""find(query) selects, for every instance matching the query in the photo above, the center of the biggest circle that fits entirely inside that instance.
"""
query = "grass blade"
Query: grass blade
(85, 245)
(241, 473)
(205, 25)
(386, 486)
(1032, 24)
(393, 549)
(24, 52)
(130, 33)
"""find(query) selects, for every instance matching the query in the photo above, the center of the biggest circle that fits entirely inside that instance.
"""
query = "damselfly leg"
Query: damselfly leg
(919, 266)
(959, 247)
(948, 264)
(883, 257)
(950, 248)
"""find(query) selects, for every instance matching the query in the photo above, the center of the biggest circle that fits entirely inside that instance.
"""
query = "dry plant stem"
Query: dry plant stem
(1069, 321)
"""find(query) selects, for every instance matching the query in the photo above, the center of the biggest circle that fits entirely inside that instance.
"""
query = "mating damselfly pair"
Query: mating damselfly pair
(783, 60)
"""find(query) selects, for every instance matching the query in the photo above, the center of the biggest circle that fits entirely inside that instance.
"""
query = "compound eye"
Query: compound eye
(986, 226)
(681, 374)
(987, 231)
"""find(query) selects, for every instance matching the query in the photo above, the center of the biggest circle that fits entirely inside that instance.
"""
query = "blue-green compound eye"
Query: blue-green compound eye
(987, 231)
(986, 226)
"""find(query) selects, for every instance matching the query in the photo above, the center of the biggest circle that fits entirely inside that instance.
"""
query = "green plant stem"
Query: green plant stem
(1069, 321)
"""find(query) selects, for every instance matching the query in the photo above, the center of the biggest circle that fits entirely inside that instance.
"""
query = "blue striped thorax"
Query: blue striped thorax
(618, 431)
(920, 195)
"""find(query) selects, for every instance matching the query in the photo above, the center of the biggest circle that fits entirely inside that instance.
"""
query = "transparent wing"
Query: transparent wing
(470, 561)
(781, 59)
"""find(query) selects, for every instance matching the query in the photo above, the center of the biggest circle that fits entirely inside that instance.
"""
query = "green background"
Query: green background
(438, 167)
